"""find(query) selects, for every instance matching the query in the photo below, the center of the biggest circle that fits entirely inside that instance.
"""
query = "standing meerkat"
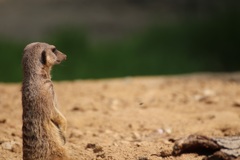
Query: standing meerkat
(44, 127)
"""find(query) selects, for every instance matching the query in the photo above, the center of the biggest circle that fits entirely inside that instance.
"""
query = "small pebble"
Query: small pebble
(236, 103)
(143, 158)
(90, 146)
(97, 149)
(3, 120)
(7, 145)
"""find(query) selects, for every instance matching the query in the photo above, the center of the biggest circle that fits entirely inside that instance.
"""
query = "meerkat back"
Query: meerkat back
(44, 127)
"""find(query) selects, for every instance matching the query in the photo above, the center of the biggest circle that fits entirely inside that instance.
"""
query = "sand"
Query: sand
(133, 118)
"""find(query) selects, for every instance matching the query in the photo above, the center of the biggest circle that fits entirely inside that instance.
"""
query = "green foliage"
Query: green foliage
(10, 61)
(171, 49)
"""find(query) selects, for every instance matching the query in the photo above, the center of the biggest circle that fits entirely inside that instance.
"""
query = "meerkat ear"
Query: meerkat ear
(44, 57)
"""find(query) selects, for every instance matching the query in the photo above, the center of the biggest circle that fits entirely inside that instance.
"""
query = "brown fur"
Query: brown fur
(44, 127)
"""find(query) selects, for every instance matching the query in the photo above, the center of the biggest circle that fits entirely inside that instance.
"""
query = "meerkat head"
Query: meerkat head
(39, 55)
(51, 56)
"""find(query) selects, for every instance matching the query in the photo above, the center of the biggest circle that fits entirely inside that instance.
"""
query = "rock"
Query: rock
(223, 148)
(98, 149)
(3, 120)
(168, 130)
(165, 153)
(90, 146)
(143, 158)
(11, 146)
(236, 103)
(94, 147)
(76, 108)
(136, 136)
(206, 99)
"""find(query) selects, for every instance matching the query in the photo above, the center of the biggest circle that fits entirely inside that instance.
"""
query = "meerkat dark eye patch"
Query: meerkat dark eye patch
(44, 57)
(54, 50)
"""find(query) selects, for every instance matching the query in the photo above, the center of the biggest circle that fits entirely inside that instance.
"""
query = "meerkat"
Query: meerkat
(44, 126)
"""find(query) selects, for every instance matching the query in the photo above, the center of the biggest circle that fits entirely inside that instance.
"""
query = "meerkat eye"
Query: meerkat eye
(54, 50)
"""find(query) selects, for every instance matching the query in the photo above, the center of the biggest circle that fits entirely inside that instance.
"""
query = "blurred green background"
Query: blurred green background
(117, 38)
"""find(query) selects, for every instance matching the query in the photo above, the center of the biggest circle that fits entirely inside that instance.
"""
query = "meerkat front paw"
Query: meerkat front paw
(61, 131)
(63, 136)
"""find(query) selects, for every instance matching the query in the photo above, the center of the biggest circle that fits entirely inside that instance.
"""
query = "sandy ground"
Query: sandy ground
(132, 118)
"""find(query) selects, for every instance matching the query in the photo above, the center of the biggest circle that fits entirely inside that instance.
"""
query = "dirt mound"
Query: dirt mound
(132, 118)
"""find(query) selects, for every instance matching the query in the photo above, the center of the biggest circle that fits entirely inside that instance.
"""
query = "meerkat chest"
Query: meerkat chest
(48, 89)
